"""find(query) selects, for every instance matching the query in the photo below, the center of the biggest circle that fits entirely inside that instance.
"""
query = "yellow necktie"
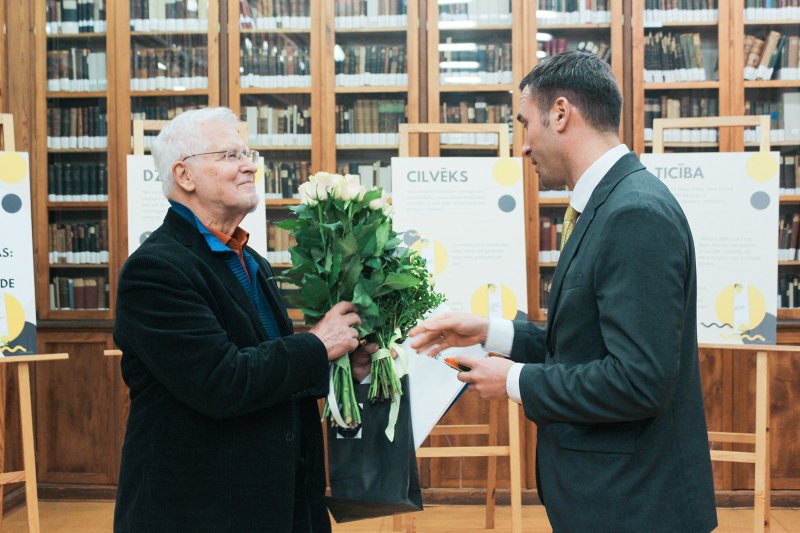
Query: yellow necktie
(570, 217)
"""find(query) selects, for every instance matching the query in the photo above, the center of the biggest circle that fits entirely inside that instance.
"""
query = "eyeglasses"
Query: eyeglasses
(232, 156)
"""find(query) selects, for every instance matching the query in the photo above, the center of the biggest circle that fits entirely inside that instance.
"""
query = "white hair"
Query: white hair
(183, 136)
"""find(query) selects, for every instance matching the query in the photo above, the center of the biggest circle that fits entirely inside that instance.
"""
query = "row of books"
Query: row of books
(283, 179)
(569, 6)
(376, 174)
(370, 116)
(659, 11)
(560, 44)
(686, 105)
(274, 23)
(788, 291)
(71, 293)
(489, 58)
(367, 139)
(76, 69)
(776, 52)
(77, 127)
(673, 57)
(275, 141)
(683, 106)
(183, 14)
(550, 227)
(250, 10)
(369, 8)
(278, 242)
(74, 16)
(600, 49)
(266, 119)
(162, 112)
(369, 79)
(790, 175)
(492, 78)
(552, 12)
(372, 58)
(370, 21)
(784, 112)
(269, 56)
(474, 111)
(83, 243)
(478, 139)
(77, 182)
(766, 10)
(480, 11)
(162, 68)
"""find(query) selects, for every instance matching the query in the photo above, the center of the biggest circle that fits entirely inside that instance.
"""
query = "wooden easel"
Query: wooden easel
(760, 437)
(493, 450)
(28, 473)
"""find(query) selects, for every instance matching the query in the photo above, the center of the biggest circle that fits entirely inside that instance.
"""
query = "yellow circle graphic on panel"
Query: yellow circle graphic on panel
(762, 166)
(431, 251)
(260, 173)
(14, 317)
(12, 167)
(487, 296)
(506, 171)
(743, 307)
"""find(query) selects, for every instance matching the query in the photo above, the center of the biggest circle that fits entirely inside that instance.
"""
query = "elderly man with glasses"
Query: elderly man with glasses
(224, 431)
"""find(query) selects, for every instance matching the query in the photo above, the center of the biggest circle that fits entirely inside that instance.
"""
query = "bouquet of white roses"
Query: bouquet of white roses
(346, 250)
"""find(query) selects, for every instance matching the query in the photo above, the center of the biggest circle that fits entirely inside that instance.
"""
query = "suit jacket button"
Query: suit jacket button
(289, 437)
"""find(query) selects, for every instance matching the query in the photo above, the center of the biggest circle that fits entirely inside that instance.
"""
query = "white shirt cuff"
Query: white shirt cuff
(500, 336)
(512, 382)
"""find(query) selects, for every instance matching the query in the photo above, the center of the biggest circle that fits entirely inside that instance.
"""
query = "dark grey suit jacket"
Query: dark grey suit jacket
(615, 385)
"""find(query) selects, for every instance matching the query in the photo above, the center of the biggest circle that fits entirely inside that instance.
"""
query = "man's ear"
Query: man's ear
(562, 112)
(183, 177)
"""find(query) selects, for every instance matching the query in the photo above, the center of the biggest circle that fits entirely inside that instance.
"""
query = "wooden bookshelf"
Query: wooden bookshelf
(571, 36)
(742, 90)
(71, 214)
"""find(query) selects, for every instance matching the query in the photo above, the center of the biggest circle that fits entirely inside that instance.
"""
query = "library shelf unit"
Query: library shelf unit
(688, 78)
(167, 62)
(556, 27)
(371, 84)
(274, 74)
(774, 90)
(74, 96)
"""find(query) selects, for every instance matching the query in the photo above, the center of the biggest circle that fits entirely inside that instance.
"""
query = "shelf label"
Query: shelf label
(17, 291)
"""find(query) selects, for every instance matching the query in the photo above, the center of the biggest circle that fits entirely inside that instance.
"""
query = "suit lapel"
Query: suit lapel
(195, 242)
(626, 165)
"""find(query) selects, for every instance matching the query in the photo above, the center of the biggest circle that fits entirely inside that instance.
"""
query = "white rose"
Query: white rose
(307, 195)
(379, 203)
(311, 192)
(347, 188)
(323, 179)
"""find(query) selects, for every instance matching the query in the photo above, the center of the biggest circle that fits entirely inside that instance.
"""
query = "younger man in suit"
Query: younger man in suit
(612, 382)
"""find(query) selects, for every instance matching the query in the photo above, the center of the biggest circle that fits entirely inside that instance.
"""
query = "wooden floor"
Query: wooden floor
(97, 517)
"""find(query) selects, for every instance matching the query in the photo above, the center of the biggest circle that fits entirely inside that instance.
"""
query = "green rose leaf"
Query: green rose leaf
(398, 281)
(314, 291)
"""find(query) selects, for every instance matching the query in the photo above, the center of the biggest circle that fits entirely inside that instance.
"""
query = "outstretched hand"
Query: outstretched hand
(449, 330)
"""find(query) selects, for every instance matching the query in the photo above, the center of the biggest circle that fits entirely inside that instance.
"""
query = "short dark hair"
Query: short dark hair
(585, 80)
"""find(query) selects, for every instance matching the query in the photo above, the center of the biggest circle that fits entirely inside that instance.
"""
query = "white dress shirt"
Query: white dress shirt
(500, 336)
